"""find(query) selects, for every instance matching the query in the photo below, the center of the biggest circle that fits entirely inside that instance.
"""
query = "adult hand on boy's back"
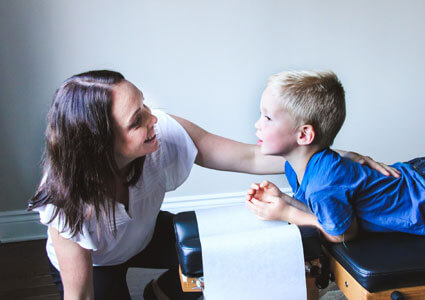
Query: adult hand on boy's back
(370, 162)
(266, 201)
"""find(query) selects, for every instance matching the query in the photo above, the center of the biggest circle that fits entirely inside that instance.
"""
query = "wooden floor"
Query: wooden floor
(24, 272)
(24, 275)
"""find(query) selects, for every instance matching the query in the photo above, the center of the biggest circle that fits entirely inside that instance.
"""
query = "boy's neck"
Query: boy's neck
(299, 158)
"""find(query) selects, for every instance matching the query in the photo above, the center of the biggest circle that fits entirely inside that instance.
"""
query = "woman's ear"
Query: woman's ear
(306, 135)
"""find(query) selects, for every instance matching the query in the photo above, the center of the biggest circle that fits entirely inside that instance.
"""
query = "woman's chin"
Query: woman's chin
(151, 146)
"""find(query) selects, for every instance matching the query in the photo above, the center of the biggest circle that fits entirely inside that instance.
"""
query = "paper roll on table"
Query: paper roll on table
(247, 258)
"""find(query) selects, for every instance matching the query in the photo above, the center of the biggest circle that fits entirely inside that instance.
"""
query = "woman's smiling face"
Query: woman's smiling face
(134, 134)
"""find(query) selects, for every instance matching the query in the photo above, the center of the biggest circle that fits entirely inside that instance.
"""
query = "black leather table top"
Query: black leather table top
(381, 261)
(189, 247)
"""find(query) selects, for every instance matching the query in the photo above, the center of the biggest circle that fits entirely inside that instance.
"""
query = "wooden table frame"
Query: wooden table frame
(193, 284)
(353, 290)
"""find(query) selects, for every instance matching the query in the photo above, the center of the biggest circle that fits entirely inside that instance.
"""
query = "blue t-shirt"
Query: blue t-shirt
(336, 189)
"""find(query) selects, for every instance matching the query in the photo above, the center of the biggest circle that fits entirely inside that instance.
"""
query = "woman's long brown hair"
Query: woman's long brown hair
(78, 161)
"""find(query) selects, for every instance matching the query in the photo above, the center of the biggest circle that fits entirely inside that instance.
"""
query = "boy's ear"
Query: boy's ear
(306, 135)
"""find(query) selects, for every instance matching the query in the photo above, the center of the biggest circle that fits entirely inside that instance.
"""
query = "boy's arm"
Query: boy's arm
(216, 152)
(297, 204)
(269, 203)
(296, 216)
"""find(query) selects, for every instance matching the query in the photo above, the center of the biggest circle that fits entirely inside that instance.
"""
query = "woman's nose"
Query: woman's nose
(149, 118)
(153, 119)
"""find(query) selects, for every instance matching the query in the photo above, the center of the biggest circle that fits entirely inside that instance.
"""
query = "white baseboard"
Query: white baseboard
(185, 203)
(21, 225)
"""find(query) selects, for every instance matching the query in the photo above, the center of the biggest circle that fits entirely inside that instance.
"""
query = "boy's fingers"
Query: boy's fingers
(250, 193)
(258, 203)
(253, 207)
(250, 206)
(264, 184)
(255, 186)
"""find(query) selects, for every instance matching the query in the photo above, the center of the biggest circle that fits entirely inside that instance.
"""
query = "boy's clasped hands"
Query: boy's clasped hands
(267, 202)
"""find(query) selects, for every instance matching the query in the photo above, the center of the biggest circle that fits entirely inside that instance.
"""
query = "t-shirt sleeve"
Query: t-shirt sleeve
(332, 209)
(291, 176)
(86, 238)
(178, 151)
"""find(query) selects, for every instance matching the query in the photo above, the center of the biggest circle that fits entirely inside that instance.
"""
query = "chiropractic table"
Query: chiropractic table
(189, 253)
(374, 266)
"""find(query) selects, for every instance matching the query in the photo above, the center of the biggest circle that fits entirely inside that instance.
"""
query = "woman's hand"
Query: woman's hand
(368, 161)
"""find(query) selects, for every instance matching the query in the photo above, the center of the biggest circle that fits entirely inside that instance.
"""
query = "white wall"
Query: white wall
(208, 61)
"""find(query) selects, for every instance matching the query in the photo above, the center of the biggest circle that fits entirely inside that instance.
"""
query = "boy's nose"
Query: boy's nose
(257, 124)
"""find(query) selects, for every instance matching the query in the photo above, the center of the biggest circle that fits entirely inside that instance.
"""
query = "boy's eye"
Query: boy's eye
(267, 118)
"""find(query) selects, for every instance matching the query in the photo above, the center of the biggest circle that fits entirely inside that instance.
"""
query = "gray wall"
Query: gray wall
(208, 61)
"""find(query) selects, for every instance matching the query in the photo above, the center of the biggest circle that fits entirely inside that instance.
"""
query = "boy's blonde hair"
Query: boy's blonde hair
(316, 98)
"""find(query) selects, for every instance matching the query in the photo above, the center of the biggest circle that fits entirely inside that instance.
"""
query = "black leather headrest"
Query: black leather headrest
(189, 250)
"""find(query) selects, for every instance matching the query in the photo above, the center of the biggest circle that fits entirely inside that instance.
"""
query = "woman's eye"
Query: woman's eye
(137, 122)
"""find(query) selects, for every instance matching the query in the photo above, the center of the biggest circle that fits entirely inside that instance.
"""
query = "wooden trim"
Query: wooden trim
(189, 284)
(345, 282)
(353, 290)
(312, 290)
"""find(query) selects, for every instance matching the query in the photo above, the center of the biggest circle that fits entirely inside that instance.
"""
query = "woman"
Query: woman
(109, 160)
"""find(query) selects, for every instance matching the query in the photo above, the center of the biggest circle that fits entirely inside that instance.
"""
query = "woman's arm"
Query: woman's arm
(75, 267)
(216, 152)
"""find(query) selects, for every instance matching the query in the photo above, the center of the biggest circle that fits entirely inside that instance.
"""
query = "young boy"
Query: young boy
(301, 113)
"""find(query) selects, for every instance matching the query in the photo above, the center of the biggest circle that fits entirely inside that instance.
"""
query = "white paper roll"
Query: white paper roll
(247, 258)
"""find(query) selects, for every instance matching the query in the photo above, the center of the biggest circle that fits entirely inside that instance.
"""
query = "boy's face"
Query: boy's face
(276, 128)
